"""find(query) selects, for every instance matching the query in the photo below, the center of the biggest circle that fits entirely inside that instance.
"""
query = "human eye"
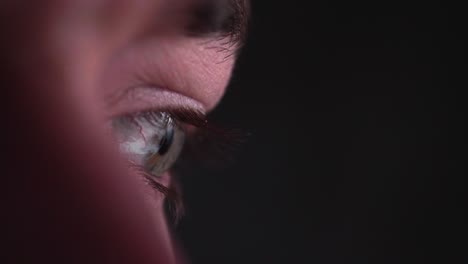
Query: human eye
(151, 140)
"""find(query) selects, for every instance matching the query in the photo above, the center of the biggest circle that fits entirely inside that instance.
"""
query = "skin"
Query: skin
(68, 68)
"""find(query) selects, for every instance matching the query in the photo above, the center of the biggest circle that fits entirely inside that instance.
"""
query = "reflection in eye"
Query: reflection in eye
(151, 140)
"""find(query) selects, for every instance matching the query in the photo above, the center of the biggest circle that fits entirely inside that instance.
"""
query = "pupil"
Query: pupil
(166, 141)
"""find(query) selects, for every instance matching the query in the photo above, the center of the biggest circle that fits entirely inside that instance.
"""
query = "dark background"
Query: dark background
(356, 150)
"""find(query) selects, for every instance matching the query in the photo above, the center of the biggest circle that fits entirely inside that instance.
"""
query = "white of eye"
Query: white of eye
(153, 141)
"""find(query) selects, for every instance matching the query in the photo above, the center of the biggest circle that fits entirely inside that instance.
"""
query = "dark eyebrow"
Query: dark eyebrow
(228, 18)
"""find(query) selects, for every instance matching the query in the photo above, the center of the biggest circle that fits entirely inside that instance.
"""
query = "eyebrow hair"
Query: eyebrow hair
(229, 18)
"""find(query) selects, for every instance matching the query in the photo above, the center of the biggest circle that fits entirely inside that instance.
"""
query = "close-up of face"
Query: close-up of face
(232, 131)
(116, 88)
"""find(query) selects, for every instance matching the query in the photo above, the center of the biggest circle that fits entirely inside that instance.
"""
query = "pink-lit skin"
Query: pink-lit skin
(77, 64)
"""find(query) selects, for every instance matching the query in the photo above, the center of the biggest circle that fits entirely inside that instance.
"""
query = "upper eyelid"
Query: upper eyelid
(175, 66)
(182, 114)
(162, 73)
(150, 98)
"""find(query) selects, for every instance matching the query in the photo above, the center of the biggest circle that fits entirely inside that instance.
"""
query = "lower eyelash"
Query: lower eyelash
(172, 194)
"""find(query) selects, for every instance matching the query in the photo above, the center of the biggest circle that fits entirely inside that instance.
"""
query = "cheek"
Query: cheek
(155, 204)
(155, 201)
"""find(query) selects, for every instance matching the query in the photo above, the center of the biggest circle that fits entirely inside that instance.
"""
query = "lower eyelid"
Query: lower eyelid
(163, 181)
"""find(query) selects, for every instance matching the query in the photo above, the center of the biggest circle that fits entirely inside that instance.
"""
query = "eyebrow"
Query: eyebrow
(229, 18)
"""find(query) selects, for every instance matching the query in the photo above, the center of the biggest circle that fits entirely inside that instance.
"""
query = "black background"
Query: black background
(356, 150)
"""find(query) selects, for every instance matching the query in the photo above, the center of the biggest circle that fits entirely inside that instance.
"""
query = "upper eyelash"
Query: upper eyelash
(181, 115)
(206, 142)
